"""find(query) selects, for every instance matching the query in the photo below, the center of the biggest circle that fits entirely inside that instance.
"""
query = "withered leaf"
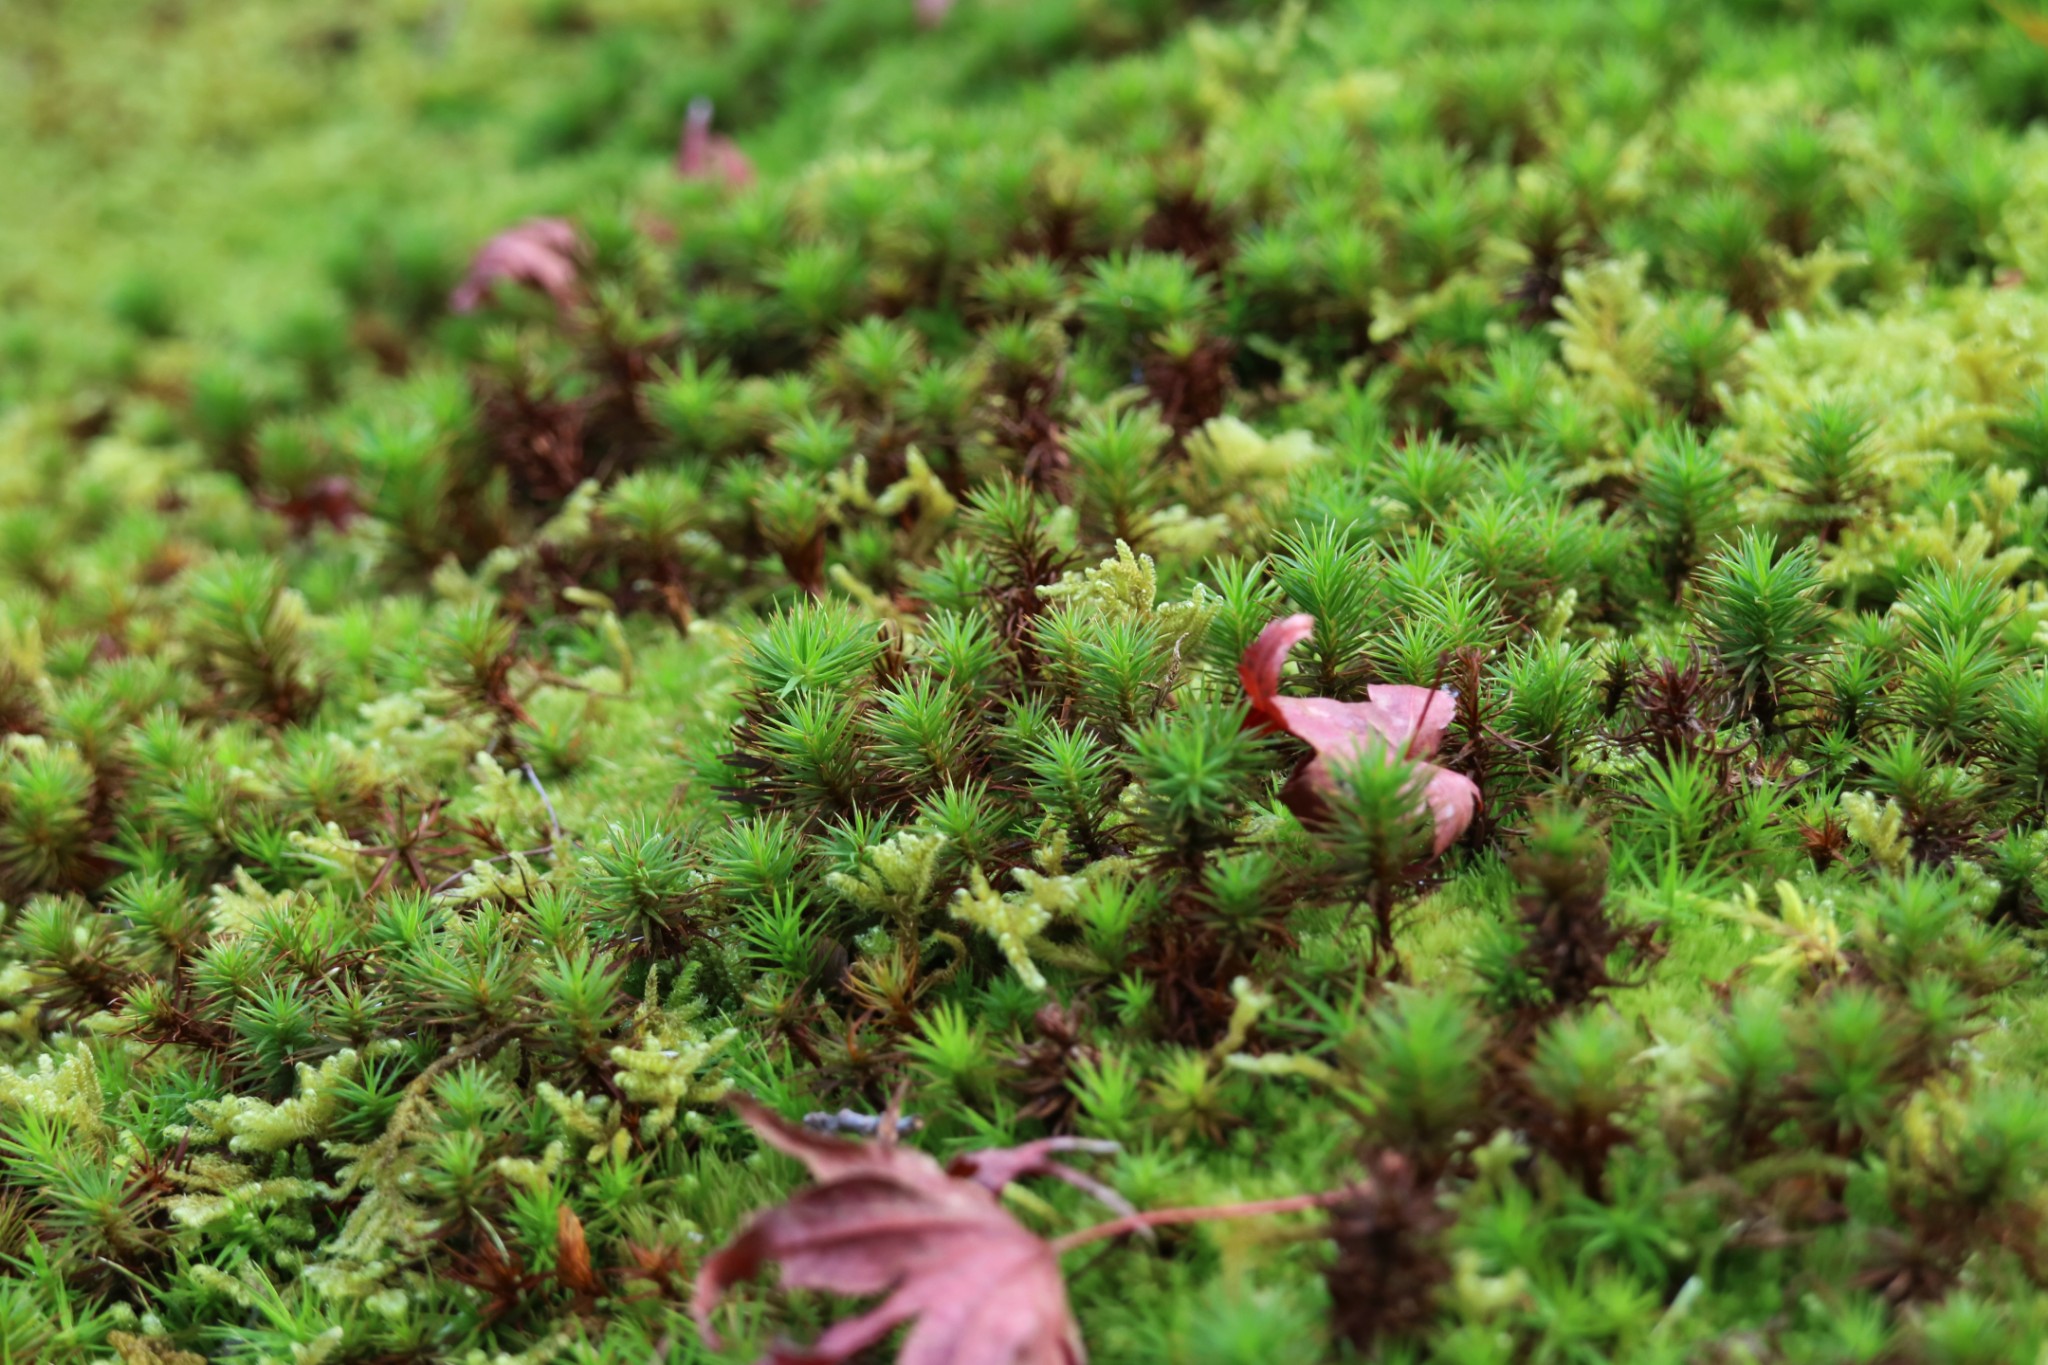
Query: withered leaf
(1409, 720)
(540, 253)
(975, 1286)
(705, 155)
(572, 1255)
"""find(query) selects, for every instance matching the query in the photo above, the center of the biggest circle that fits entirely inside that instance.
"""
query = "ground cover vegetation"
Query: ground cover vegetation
(1351, 681)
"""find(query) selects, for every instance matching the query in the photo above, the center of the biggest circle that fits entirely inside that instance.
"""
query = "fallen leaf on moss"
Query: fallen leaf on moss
(705, 155)
(539, 253)
(976, 1286)
(1411, 720)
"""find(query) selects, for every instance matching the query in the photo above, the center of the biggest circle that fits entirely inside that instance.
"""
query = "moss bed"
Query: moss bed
(811, 647)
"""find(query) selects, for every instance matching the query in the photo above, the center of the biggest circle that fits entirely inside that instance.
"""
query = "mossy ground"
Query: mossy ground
(446, 754)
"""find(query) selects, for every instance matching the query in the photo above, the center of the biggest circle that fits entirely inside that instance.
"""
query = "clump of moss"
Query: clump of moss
(442, 756)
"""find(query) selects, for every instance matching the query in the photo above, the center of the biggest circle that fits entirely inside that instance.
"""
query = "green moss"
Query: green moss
(444, 755)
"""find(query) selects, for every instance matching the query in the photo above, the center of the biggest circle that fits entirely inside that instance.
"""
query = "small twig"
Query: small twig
(892, 1116)
(859, 1124)
(1095, 1189)
(554, 825)
(1436, 685)
(1214, 1213)
(449, 883)
(1086, 1146)
(550, 678)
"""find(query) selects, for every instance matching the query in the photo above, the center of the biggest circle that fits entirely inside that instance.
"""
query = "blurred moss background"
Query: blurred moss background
(174, 165)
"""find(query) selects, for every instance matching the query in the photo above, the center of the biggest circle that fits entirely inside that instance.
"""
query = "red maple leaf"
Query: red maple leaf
(1409, 720)
(540, 253)
(976, 1286)
(705, 155)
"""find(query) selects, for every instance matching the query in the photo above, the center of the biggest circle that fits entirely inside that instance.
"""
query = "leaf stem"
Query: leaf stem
(1211, 1213)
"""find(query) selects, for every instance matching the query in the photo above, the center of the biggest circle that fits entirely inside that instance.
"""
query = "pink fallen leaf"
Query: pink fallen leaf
(932, 13)
(975, 1286)
(1409, 720)
(540, 253)
(705, 155)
